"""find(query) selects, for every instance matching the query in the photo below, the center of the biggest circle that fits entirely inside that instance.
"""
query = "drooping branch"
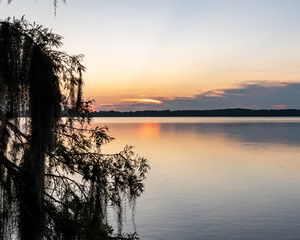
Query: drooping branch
(54, 4)
(10, 166)
(53, 167)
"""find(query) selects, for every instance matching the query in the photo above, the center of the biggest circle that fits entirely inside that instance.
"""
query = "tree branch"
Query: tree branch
(11, 167)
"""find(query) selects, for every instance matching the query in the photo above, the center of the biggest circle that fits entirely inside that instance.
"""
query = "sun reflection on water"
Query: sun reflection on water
(149, 130)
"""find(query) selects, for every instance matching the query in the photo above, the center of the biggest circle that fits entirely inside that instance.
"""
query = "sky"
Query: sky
(178, 54)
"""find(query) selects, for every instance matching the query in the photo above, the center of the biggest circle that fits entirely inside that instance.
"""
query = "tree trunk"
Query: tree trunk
(31, 195)
(44, 107)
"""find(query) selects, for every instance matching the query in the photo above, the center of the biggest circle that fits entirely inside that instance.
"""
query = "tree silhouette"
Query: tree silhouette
(55, 183)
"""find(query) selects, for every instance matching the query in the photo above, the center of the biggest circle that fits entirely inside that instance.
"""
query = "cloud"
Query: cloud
(280, 106)
(142, 100)
(137, 107)
(254, 95)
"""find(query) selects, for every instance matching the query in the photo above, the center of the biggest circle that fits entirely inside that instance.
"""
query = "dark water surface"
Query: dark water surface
(215, 178)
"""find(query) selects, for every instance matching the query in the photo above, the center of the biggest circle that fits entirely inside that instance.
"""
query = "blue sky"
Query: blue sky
(171, 50)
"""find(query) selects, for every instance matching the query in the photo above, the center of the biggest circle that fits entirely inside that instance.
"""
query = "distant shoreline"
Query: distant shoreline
(231, 112)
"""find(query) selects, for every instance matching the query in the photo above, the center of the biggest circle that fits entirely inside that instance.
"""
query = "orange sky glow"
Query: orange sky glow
(166, 54)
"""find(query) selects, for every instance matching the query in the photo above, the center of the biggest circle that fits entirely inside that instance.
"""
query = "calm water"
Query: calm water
(215, 178)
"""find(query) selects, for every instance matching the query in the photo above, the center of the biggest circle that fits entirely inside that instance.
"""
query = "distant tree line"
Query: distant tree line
(232, 112)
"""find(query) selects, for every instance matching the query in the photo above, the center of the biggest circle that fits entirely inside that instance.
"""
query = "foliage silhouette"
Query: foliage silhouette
(55, 183)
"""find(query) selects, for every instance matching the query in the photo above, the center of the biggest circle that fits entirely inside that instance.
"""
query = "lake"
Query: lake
(214, 178)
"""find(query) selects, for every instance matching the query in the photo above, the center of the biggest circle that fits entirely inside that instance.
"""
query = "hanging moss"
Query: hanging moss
(41, 152)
